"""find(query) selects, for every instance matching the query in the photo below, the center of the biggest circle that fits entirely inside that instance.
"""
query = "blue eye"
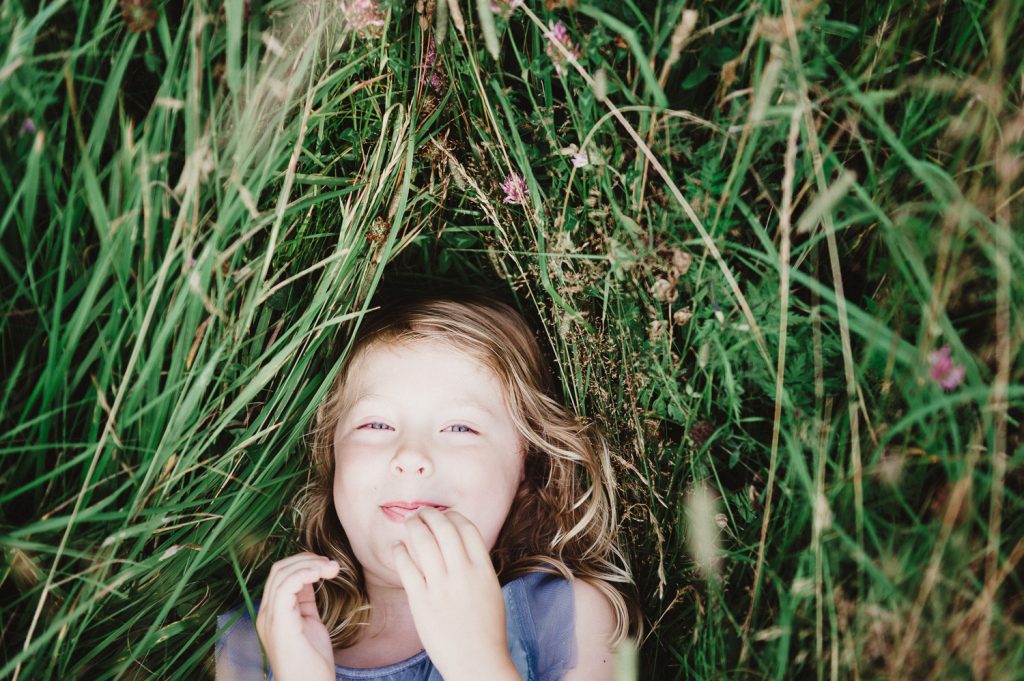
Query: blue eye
(376, 425)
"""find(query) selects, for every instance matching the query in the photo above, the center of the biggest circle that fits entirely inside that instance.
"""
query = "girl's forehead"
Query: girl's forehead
(395, 360)
(388, 351)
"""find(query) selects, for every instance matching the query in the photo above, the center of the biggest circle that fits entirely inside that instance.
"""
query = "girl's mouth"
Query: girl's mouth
(397, 512)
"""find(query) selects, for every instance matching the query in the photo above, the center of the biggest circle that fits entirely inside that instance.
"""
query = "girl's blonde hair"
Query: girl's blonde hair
(563, 519)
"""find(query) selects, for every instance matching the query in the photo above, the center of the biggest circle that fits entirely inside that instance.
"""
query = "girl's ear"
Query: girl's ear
(524, 454)
(523, 463)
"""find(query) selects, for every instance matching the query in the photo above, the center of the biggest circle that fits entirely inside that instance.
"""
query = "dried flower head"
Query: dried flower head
(558, 34)
(663, 291)
(378, 231)
(515, 189)
(139, 15)
(429, 103)
(682, 315)
(942, 369)
(435, 150)
(700, 432)
(363, 16)
(505, 8)
(681, 261)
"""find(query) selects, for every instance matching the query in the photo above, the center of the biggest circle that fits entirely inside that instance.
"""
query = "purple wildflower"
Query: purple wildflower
(580, 160)
(943, 371)
(558, 34)
(434, 75)
(28, 126)
(515, 189)
(431, 52)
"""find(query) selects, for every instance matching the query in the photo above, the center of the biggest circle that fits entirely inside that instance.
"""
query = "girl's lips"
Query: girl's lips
(398, 514)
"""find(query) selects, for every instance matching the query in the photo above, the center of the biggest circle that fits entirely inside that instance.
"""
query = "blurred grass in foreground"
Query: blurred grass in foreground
(749, 231)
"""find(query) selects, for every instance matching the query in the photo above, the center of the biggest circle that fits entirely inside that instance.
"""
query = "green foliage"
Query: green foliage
(197, 201)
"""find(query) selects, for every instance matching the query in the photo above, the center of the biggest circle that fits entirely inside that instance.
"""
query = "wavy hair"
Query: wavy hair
(563, 519)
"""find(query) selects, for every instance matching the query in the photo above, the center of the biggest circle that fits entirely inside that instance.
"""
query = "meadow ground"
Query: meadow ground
(771, 246)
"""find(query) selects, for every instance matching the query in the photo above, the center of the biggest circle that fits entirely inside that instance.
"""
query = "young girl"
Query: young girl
(459, 522)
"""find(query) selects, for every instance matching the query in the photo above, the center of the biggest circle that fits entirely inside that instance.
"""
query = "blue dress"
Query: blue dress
(540, 618)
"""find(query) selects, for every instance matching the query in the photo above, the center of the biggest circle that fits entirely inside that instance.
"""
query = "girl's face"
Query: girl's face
(429, 425)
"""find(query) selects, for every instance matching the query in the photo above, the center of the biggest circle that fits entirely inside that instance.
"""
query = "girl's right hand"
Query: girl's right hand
(295, 638)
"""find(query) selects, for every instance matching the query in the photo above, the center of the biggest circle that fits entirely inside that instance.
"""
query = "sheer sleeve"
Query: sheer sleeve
(237, 651)
(553, 610)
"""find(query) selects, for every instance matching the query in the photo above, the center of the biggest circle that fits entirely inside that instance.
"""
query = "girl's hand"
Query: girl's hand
(454, 595)
(295, 638)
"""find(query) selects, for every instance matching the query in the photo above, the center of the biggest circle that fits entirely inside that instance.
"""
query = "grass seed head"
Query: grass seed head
(703, 530)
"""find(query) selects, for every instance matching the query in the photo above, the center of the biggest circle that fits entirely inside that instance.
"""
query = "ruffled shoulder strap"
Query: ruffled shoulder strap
(238, 653)
(541, 618)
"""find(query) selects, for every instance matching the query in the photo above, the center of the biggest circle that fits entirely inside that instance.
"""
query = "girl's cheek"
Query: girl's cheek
(360, 437)
(358, 445)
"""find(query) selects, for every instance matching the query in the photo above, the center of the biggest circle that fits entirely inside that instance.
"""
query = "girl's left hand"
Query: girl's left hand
(454, 595)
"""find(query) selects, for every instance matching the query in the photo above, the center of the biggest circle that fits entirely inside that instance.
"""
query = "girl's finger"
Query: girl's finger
(423, 549)
(291, 580)
(472, 540)
(287, 563)
(307, 599)
(412, 580)
(296, 558)
(307, 602)
(448, 538)
(275, 601)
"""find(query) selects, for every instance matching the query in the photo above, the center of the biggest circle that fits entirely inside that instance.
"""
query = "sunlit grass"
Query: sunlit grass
(782, 212)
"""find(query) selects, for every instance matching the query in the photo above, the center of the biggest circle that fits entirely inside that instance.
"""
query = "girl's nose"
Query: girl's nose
(412, 461)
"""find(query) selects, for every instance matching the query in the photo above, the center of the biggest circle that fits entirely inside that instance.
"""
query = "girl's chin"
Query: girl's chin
(385, 575)
(385, 581)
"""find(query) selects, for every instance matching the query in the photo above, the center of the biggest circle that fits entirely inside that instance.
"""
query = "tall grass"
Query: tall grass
(785, 209)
